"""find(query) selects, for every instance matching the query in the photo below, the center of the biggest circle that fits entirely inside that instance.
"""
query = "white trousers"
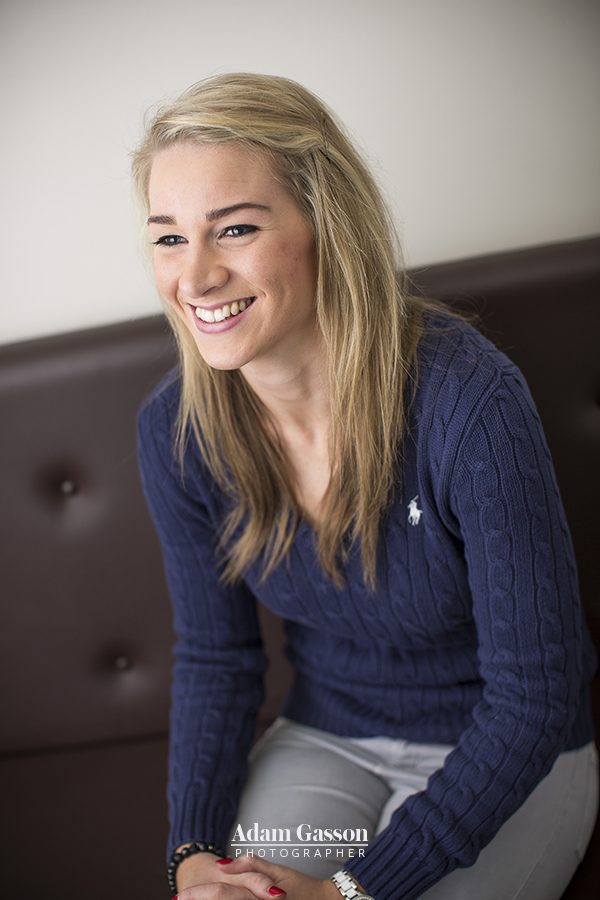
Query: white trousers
(300, 776)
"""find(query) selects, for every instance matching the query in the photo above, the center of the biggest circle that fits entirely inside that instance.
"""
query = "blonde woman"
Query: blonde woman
(374, 471)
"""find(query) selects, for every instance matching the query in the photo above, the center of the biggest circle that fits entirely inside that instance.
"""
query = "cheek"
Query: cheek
(303, 271)
(160, 276)
(305, 262)
(297, 267)
(166, 282)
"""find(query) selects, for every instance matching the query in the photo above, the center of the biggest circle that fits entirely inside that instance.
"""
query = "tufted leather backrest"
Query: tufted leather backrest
(84, 627)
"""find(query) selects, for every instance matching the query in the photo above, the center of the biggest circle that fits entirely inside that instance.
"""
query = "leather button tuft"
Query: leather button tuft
(68, 487)
(122, 663)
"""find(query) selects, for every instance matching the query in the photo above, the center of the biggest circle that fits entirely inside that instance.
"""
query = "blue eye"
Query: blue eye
(169, 240)
(238, 230)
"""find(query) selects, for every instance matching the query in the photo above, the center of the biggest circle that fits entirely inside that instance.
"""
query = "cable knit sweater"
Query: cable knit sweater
(474, 637)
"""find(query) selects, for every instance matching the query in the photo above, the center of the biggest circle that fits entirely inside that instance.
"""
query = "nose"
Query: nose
(202, 273)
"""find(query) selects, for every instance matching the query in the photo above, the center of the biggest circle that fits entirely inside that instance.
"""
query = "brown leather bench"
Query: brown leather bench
(84, 619)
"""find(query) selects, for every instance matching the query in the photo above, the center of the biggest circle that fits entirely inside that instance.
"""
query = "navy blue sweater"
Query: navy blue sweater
(474, 637)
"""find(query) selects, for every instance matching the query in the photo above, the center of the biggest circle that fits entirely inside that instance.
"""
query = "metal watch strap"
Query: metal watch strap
(347, 886)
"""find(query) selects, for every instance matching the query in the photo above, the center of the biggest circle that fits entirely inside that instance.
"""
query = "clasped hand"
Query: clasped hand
(249, 878)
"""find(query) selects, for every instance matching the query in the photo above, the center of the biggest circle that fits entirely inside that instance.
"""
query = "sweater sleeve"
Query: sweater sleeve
(492, 484)
(217, 677)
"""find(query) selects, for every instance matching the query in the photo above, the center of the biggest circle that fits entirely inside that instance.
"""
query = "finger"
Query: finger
(261, 884)
(252, 864)
(217, 891)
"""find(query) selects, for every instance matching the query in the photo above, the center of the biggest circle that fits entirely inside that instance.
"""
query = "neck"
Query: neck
(294, 390)
(297, 398)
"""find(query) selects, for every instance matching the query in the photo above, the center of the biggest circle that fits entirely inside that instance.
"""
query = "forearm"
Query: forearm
(207, 764)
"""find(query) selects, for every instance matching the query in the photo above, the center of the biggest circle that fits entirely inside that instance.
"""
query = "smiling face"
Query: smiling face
(234, 256)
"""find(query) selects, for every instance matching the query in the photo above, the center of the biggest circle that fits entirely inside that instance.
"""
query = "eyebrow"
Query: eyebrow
(215, 214)
(211, 216)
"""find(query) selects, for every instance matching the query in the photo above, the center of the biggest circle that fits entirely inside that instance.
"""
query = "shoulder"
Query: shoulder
(159, 411)
(459, 369)
(157, 429)
(182, 477)
(455, 348)
(464, 380)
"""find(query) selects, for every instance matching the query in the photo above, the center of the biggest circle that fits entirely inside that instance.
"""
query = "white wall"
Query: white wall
(481, 115)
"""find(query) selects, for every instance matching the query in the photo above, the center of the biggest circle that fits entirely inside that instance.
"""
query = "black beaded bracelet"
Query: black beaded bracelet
(180, 855)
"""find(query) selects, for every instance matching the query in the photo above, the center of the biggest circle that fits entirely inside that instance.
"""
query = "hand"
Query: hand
(250, 877)
(204, 877)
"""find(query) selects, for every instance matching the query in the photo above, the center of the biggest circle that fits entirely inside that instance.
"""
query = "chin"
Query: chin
(220, 363)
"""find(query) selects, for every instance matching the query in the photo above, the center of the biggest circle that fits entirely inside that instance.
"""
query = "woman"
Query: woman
(374, 471)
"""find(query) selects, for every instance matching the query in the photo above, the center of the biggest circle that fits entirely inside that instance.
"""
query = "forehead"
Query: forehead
(207, 173)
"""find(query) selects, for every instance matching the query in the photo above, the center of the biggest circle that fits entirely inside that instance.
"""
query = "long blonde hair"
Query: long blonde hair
(370, 327)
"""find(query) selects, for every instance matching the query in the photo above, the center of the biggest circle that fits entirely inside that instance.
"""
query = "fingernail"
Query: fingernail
(276, 892)
(225, 861)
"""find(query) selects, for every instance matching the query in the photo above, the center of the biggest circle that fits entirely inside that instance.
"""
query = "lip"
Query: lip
(218, 327)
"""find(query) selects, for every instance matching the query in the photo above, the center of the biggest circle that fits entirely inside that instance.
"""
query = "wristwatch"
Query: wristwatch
(347, 886)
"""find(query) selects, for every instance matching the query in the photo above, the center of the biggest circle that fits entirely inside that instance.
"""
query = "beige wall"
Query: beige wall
(480, 115)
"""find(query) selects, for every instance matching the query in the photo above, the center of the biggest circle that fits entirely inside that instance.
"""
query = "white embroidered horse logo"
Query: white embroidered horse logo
(414, 513)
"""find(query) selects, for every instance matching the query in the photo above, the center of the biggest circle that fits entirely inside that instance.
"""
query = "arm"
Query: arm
(494, 490)
(219, 659)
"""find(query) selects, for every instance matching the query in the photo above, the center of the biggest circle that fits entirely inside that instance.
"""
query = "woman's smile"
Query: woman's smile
(222, 313)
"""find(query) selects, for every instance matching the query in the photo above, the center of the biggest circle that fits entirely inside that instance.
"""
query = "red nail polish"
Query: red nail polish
(276, 892)
(225, 861)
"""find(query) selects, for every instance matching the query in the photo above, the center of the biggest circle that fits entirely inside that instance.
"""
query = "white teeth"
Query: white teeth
(207, 315)
(219, 315)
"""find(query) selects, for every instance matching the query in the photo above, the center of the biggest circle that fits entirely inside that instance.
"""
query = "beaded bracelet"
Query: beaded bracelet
(180, 855)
